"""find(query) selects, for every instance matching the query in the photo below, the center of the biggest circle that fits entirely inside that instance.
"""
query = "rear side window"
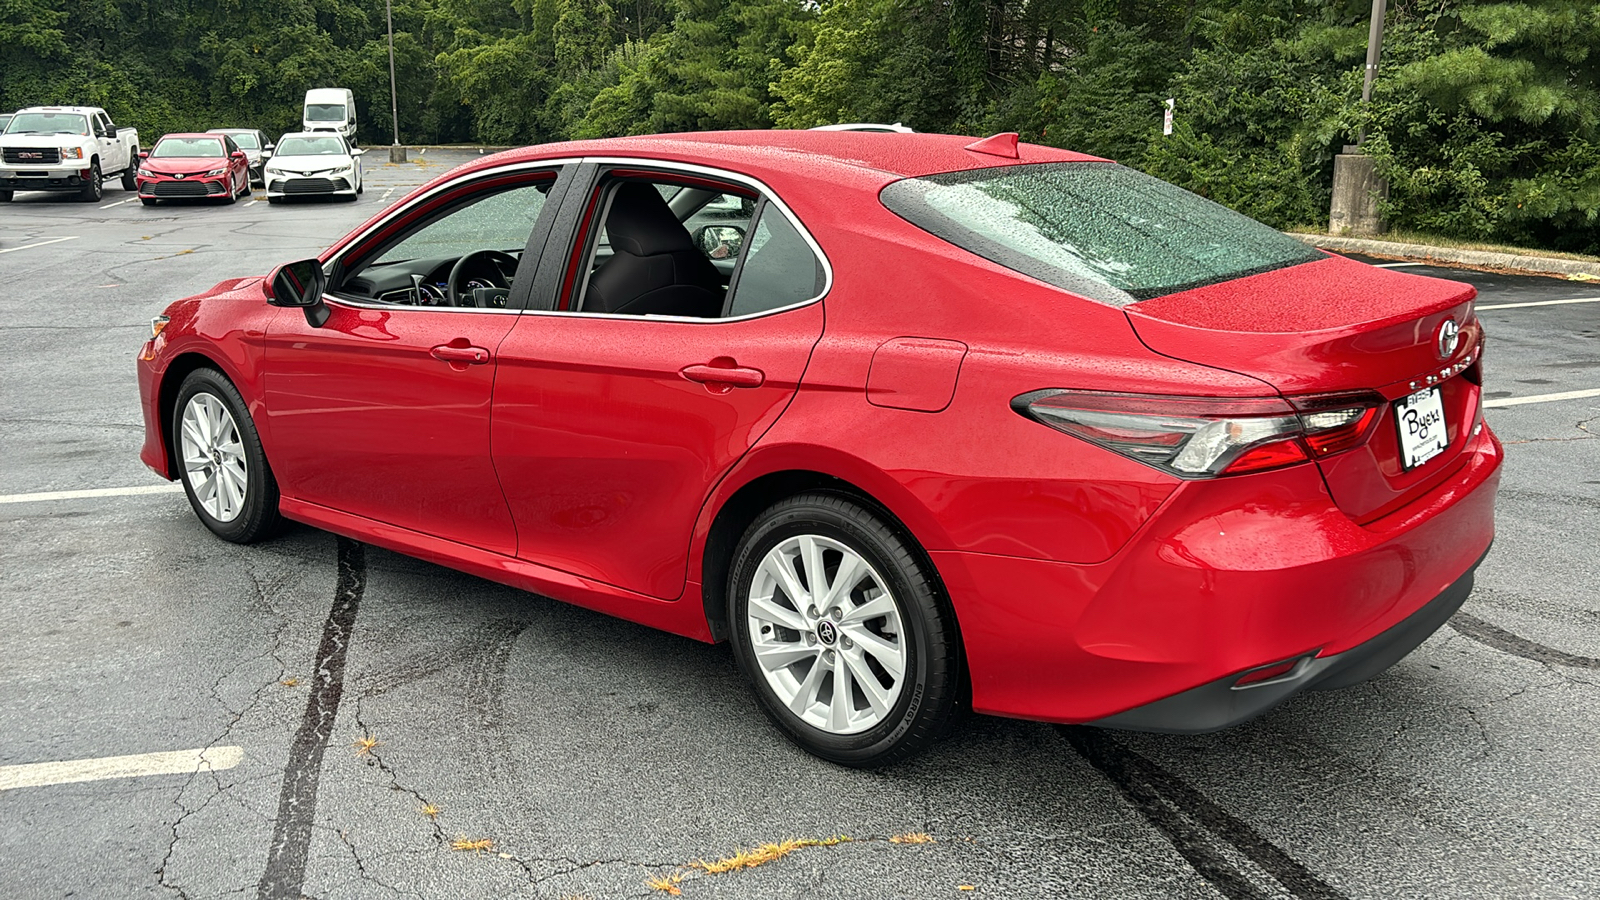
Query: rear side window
(779, 268)
(1097, 229)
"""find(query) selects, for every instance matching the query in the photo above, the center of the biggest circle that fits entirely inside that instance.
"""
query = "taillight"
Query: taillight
(1204, 437)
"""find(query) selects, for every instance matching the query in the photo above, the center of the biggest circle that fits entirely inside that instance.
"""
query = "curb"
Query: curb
(1571, 269)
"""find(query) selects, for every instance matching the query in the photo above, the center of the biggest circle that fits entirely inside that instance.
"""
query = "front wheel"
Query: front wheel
(843, 631)
(130, 175)
(5, 196)
(223, 468)
(92, 190)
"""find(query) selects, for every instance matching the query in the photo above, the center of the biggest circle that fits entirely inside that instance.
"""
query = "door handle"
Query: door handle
(476, 356)
(729, 376)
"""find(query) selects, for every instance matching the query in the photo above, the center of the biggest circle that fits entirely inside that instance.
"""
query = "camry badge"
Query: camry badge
(1449, 336)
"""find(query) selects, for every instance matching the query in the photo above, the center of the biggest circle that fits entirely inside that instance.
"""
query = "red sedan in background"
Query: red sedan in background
(193, 165)
(913, 421)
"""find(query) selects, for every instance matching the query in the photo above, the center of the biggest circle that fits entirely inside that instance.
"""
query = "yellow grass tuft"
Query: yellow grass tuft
(365, 745)
(476, 845)
(966, 887)
(667, 884)
(290, 682)
(429, 810)
(912, 837)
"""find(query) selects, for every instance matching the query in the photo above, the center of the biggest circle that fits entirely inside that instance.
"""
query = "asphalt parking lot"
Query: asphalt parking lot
(378, 727)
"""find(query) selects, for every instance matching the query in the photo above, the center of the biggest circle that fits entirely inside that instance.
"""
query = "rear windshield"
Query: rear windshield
(245, 140)
(1099, 230)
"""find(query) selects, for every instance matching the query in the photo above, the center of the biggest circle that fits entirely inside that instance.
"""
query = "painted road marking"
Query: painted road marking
(386, 195)
(93, 492)
(252, 203)
(39, 244)
(175, 762)
(1540, 303)
(1542, 398)
(119, 202)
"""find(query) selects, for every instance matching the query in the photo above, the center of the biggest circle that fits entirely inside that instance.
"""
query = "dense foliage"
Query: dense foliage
(1485, 116)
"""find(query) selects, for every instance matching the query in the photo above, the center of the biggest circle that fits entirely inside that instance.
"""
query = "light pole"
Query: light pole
(1358, 190)
(396, 151)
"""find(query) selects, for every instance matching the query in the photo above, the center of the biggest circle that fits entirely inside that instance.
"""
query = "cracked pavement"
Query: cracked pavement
(594, 754)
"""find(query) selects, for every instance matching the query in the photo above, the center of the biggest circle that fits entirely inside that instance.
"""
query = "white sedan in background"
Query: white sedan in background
(313, 163)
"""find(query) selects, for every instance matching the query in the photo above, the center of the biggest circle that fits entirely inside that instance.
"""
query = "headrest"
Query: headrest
(642, 224)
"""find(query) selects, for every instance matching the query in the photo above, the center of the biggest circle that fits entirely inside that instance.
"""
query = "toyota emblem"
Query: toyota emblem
(178, 176)
(1449, 337)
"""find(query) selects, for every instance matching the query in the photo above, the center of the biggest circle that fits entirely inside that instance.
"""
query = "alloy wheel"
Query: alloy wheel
(213, 457)
(827, 634)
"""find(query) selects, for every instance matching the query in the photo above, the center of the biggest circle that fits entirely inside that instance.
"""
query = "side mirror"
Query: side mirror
(144, 154)
(239, 154)
(719, 241)
(300, 284)
(358, 152)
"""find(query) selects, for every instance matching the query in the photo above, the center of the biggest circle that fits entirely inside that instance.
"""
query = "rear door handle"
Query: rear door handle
(476, 356)
(732, 376)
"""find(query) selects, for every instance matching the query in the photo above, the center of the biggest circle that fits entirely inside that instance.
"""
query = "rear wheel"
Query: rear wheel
(130, 175)
(222, 466)
(92, 190)
(843, 631)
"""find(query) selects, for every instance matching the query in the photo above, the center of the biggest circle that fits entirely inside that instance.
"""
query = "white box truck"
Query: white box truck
(331, 109)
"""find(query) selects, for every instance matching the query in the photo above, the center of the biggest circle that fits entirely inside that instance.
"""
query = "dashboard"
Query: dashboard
(484, 281)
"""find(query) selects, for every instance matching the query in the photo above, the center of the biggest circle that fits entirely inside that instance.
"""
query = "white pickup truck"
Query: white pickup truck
(65, 148)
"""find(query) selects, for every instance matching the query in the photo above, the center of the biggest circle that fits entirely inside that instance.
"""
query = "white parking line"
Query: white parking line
(93, 492)
(386, 195)
(252, 203)
(119, 202)
(1542, 398)
(39, 244)
(174, 762)
(1539, 303)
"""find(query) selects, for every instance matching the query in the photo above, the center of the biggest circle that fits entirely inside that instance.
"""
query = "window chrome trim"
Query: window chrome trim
(771, 196)
(638, 161)
(532, 165)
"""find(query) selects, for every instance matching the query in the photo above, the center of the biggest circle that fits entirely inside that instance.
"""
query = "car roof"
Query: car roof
(312, 134)
(233, 131)
(80, 110)
(806, 154)
(190, 135)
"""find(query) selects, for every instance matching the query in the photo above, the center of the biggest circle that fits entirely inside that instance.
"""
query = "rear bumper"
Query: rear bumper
(1229, 576)
(1224, 703)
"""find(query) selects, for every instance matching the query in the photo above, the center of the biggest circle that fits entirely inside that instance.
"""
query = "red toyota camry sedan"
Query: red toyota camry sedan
(193, 165)
(914, 421)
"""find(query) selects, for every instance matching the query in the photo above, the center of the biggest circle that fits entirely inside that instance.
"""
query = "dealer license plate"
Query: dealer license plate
(1423, 434)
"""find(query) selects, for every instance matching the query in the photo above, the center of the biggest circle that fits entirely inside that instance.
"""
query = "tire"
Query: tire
(93, 190)
(217, 447)
(130, 175)
(361, 184)
(148, 201)
(894, 614)
(5, 196)
(244, 187)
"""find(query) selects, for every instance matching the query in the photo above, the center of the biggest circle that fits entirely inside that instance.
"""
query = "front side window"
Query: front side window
(48, 123)
(311, 146)
(1097, 229)
(324, 112)
(501, 221)
(205, 148)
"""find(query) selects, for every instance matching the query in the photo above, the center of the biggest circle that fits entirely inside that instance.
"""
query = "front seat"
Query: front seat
(655, 268)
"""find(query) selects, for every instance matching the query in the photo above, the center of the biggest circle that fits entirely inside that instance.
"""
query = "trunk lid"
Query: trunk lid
(1334, 326)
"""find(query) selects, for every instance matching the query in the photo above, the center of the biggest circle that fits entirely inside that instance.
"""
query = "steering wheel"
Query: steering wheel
(458, 296)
